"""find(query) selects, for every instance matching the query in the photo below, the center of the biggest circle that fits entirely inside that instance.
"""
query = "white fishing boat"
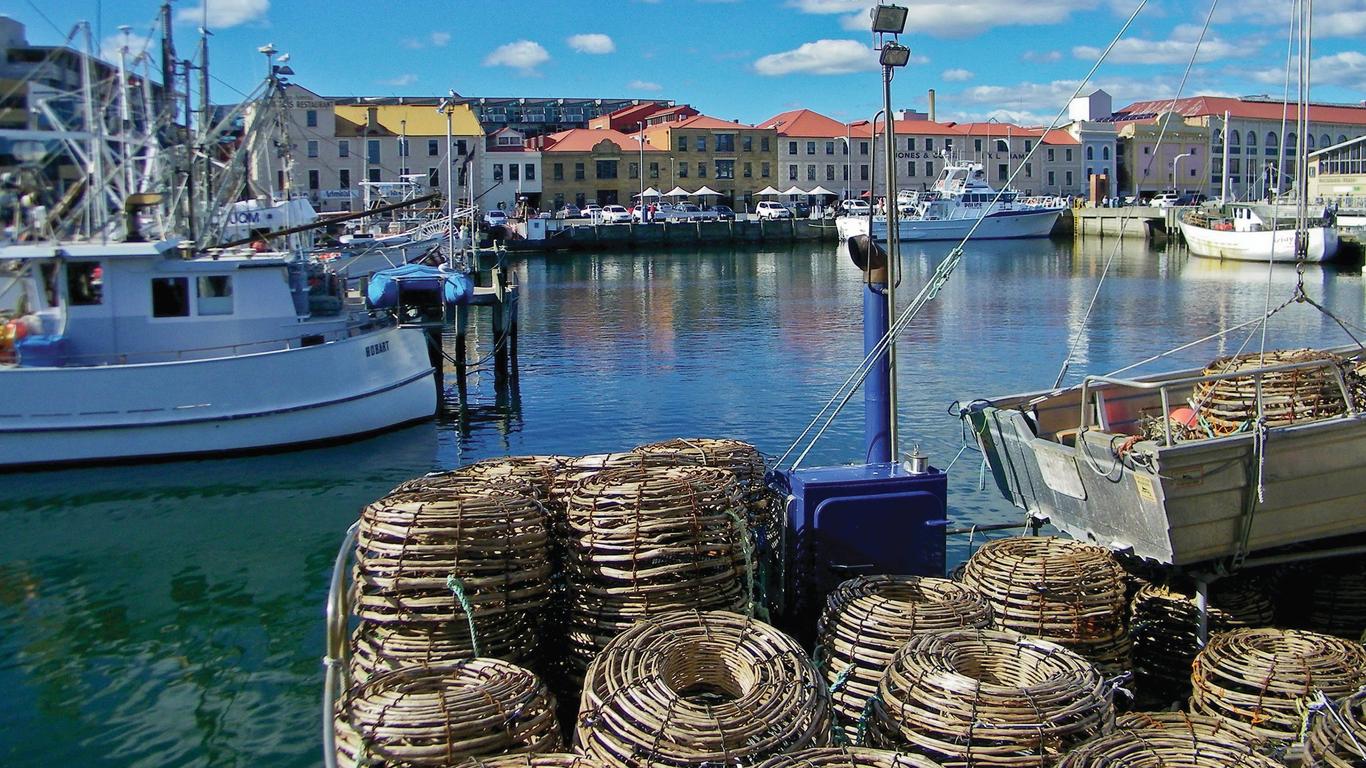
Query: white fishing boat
(1250, 233)
(132, 350)
(960, 200)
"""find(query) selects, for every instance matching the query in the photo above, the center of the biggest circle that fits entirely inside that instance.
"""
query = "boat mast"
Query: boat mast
(1223, 174)
(204, 144)
(95, 196)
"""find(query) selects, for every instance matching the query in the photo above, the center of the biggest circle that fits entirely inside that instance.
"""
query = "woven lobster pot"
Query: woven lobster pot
(866, 621)
(648, 540)
(693, 688)
(1256, 679)
(422, 555)
(1230, 405)
(1338, 742)
(525, 760)
(1057, 589)
(1165, 623)
(1168, 739)
(576, 470)
(1337, 598)
(441, 715)
(984, 697)
(847, 757)
(380, 648)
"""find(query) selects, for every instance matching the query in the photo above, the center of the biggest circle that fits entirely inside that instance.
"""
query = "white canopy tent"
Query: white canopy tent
(678, 192)
(649, 192)
(793, 190)
(768, 191)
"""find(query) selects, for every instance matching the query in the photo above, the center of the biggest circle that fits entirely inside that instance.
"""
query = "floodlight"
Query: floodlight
(889, 19)
(894, 55)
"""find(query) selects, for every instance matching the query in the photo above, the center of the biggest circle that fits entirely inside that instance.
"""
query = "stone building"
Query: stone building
(601, 166)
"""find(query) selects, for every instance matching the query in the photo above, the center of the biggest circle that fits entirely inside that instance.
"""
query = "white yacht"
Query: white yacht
(132, 350)
(1256, 233)
(960, 200)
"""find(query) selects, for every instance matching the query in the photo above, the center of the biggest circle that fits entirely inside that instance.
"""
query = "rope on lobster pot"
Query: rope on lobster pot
(866, 621)
(1231, 405)
(695, 688)
(1337, 736)
(380, 648)
(974, 697)
(1060, 590)
(1165, 739)
(1255, 679)
(847, 757)
(441, 715)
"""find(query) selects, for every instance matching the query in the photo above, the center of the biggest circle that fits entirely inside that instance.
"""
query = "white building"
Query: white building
(510, 172)
(1099, 154)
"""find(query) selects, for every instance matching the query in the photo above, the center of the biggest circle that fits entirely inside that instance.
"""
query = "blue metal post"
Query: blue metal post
(877, 400)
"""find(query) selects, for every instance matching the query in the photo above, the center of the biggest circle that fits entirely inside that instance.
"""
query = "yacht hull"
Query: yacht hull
(1001, 226)
(1265, 245)
(332, 391)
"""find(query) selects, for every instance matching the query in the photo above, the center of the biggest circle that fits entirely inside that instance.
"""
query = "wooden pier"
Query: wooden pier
(1131, 221)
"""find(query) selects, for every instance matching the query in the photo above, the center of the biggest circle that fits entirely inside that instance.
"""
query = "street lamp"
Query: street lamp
(1175, 161)
(640, 138)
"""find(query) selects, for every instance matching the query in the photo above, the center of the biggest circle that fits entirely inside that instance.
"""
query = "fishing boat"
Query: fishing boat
(962, 201)
(1245, 232)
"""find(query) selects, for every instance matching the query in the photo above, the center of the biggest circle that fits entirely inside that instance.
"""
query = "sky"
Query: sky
(1012, 60)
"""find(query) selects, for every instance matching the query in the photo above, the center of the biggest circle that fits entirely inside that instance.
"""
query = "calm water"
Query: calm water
(171, 615)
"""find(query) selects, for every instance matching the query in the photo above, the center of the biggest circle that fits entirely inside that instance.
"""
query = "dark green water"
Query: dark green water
(171, 615)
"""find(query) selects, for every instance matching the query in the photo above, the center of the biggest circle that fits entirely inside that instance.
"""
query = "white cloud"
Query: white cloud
(136, 44)
(956, 75)
(1347, 69)
(400, 81)
(953, 18)
(643, 85)
(1042, 100)
(822, 57)
(1176, 50)
(1332, 18)
(440, 39)
(1046, 57)
(435, 39)
(224, 13)
(525, 55)
(593, 42)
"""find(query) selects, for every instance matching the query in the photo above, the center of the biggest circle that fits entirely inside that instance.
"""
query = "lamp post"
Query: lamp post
(640, 138)
(448, 107)
(879, 405)
(1175, 161)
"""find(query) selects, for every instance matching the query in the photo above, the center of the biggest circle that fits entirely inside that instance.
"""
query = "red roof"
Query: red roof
(1201, 106)
(806, 124)
(584, 139)
(628, 117)
(705, 121)
(864, 129)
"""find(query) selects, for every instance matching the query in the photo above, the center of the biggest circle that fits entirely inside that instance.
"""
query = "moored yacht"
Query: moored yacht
(1255, 233)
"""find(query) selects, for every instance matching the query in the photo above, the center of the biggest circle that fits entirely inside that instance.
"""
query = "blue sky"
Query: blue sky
(748, 59)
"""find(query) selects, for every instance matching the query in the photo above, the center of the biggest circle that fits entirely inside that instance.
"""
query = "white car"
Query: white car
(592, 211)
(854, 208)
(767, 209)
(615, 214)
(1165, 200)
(496, 218)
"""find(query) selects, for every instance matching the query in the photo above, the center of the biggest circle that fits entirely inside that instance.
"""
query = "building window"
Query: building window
(829, 147)
(792, 147)
(747, 143)
(929, 169)
(749, 170)
(170, 297)
(810, 173)
(529, 172)
(280, 179)
(460, 147)
(633, 170)
(557, 171)
(810, 147)
(683, 170)
(312, 148)
(1002, 146)
(829, 173)
(343, 148)
(1029, 170)
(792, 173)
(763, 144)
(1051, 158)
(654, 170)
(844, 148)
(763, 170)
(976, 145)
(725, 142)
(1029, 145)
(1105, 153)
(433, 147)
(215, 295)
(84, 283)
(1002, 172)
(311, 118)
(910, 143)
(1069, 178)
(374, 175)
(1090, 152)
(402, 146)
(313, 182)
(344, 178)
(844, 172)
(682, 143)
(578, 171)
(1068, 154)
(725, 169)
(948, 144)
(372, 151)
(497, 171)
(863, 172)
(929, 144)
(514, 172)
(701, 170)
(1052, 180)
(579, 200)
(910, 169)
(701, 143)
(863, 147)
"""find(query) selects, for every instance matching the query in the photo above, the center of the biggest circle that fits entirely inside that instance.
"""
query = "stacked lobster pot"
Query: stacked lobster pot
(1165, 624)
(1166, 739)
(1060, 590)
(1337, 736)
(866, 621)
(448, 567)
(646, 540)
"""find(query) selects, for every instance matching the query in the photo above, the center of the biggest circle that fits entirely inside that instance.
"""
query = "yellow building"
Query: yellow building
(732, 158)
(587, 165)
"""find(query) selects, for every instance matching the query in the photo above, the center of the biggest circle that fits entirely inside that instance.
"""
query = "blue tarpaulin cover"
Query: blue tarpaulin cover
(382, 291)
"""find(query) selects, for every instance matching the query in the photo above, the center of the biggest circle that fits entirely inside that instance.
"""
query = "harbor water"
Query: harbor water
(171, 614)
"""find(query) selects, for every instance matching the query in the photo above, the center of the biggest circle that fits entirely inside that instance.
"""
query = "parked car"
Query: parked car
(569, 211)
(592, 211)
(854, 208)
(657, 211)
(767, 209)
(496, 218)
(615, 214)
(1193, 198)
(721, 212)
(800, 210)
(1165, 200)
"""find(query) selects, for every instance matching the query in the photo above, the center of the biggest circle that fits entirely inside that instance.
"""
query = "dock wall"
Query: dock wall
(680, 234)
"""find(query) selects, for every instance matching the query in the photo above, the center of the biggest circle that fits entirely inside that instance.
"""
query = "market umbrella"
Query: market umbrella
(677, 192)
(820, 191)
(649, 192)
(793, 190)
(768, 191)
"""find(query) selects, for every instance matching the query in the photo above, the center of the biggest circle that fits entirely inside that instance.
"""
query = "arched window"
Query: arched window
(1090, 152)
(1325, 141)
(1251, 139)
(1271, 142)
(1291, 141)
(1002, 146)
(1105, 153)
(1233, 138)
(1342, 139)
(1218, 137)
(1311, 141)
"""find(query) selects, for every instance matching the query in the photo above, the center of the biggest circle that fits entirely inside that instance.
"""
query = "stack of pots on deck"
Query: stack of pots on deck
(450, 566)
(1257, 681)
(1165, 624)
(866, 621)
(1166, 740)
(1232, 405)
(645, 540)
(1060, 590)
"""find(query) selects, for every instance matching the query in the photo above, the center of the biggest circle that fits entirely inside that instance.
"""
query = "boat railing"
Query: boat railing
(1098, 383)
(153, 357)
(336, 677)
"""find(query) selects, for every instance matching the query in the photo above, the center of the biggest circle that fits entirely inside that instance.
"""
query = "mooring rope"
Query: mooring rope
(458, 589)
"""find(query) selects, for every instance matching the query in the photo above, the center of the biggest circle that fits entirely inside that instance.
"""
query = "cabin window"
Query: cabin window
(215, 295)
(84, 283)
(170, 297)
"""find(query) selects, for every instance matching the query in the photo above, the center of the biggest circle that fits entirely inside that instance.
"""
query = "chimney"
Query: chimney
(932, 105)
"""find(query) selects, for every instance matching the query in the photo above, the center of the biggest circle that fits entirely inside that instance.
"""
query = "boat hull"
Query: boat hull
(332, 391)
(1263, 246)
(999, 226)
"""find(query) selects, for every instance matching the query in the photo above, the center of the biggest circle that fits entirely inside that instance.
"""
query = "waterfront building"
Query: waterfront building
(1338, 174)
(1098, 142)
(1261, 133)
(637, 116)
(534, 116)
(510, 173)
(600, 166)
(815, 150)
(1161, 154)
(731, 157)
(336, 144)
